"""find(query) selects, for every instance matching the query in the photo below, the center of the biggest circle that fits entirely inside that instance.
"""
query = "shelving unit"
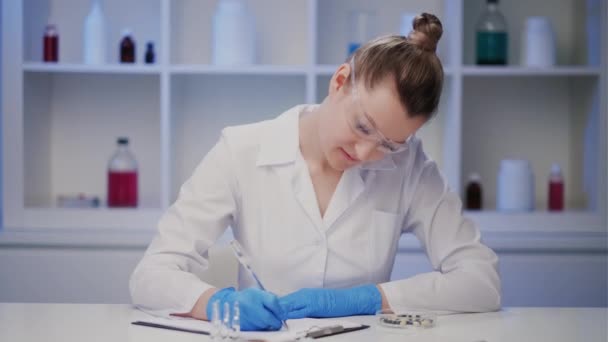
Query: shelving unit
(61, 120)
(84, 69)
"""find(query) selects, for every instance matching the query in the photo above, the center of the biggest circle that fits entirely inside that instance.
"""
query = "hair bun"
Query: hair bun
(427, 32)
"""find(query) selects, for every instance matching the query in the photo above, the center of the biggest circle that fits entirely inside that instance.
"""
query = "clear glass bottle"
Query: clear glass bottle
(122, 177)
(492, 36)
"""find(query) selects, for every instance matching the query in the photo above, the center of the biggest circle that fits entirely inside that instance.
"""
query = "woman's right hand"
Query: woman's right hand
(259, 310)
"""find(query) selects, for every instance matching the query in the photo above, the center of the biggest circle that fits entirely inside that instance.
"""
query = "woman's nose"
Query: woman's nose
(366, 150)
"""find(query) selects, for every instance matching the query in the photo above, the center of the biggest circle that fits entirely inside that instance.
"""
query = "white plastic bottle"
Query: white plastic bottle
(515, 186)
(94, 36)
(233, 34)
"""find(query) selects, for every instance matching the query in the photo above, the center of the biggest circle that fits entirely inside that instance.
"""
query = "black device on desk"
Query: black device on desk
(333, 330)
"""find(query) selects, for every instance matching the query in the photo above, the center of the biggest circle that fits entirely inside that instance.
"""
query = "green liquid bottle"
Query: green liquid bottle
(492, 38)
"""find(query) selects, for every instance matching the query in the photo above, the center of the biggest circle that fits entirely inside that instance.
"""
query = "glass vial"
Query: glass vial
(150, 56)
(492, 37)
(556, 189)
(236, 320)
(474, 195)
(50, 44)
(225, 330)
(122, 177)
(127, 47)
(216, 321)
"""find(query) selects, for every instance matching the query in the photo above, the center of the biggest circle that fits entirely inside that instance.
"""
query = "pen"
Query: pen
(244, 261)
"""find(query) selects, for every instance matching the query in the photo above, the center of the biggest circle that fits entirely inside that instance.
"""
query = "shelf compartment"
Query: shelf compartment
(333, 32)
(141, 16)
(567, 17)
(543, 120)
(71, 122)
(202, 105)
(191, 31)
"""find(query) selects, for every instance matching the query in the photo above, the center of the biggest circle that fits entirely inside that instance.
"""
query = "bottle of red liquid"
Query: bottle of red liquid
(556, 189)
(122, 177)
(473, 193)
(50, 44)
(127, 47)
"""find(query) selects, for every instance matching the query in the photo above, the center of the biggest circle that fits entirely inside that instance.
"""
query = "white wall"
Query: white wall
(1, 116)
(100, 275)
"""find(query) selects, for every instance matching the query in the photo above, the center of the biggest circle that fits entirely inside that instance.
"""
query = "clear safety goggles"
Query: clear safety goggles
(364, 127)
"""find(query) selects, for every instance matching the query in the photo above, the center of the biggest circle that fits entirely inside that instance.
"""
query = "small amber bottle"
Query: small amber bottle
(127, 48)
(474, 195)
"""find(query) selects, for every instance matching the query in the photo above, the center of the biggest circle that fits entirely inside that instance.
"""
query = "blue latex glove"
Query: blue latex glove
(361, 300)
(260, 310)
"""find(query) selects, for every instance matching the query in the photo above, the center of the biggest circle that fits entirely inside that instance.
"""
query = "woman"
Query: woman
(319, 197)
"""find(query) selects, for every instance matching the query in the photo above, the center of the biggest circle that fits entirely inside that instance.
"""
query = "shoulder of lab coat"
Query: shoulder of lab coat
(167, 279)
(465, 277)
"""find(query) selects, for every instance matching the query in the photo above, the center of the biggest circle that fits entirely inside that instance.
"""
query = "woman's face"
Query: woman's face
(345, 136)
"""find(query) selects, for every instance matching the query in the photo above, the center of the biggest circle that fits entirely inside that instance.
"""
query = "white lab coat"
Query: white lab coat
(256, 181)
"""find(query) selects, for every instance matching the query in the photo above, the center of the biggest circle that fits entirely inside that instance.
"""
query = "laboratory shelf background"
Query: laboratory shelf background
(60, 121)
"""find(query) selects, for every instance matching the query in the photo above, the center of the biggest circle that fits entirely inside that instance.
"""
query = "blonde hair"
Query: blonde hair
(412, 63)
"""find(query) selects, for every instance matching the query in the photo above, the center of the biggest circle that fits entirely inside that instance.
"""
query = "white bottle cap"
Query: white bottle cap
(556, 170)
(126, 32)
(474, 177)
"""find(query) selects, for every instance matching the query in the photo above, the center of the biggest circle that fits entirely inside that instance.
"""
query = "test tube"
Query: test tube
(225, 328)
(236, 321)
(215, 321)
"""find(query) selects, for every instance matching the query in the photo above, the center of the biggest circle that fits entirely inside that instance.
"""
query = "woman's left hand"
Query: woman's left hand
(361, 300)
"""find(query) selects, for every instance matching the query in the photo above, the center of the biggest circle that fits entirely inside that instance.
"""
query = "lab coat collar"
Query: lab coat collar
(281, 143)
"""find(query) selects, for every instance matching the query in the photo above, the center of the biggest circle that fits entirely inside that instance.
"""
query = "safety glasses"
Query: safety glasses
(364, 126)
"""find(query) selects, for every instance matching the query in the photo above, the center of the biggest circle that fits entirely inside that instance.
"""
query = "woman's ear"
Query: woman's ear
(338, 80)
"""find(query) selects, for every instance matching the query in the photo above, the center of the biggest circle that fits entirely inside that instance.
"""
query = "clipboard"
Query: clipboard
(163, 326)
(315, 334)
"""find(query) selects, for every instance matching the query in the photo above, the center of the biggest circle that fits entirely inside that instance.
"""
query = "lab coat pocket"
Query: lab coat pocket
(385, 231)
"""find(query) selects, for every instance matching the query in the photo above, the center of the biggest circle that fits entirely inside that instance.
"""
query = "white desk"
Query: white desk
(111, 323)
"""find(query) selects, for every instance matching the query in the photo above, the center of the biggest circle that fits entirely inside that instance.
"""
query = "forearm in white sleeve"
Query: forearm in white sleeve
(167, 278)
(465, 277)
